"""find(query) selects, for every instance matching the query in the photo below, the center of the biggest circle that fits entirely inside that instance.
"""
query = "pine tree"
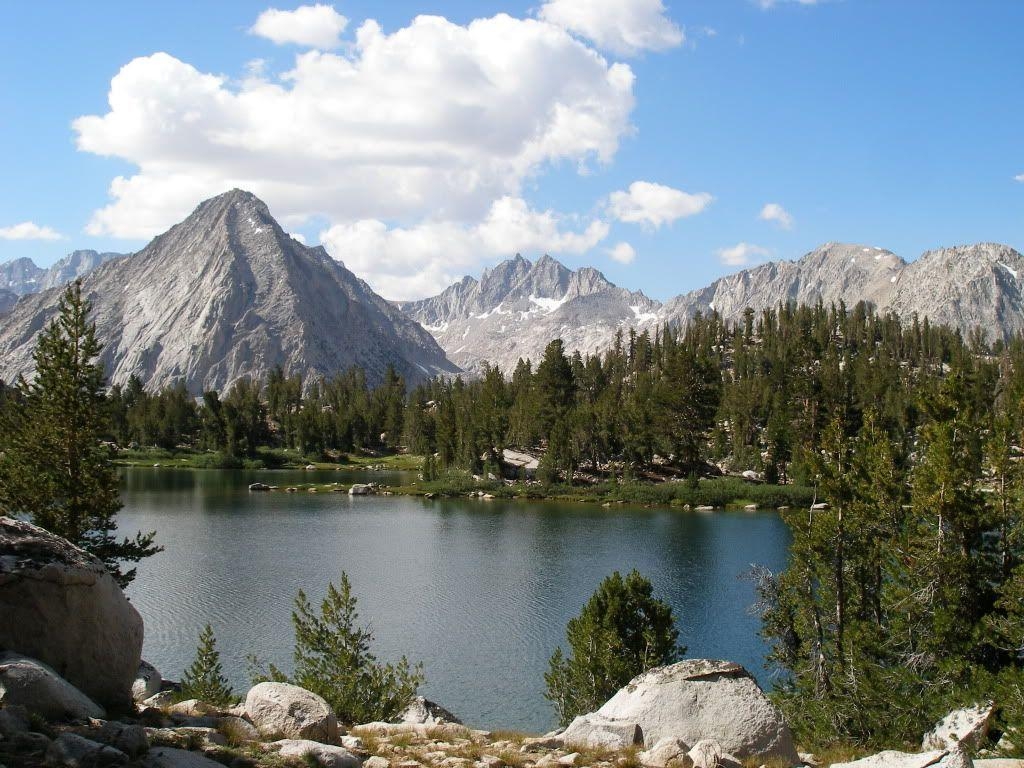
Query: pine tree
(622, 632)
(204, 680)
(53, 466)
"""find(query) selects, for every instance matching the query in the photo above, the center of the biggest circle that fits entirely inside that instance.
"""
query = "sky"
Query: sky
(665, 143)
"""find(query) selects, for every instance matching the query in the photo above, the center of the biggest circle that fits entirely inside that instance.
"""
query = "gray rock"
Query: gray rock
(940, 758)
(13, 719)
(701, 699)
(168, 757)
(327, 755)
(281, 709)
(72, 751)
(128, 738)
(379, 762)
(35, 686)
(594, 731)
(30, 741)
(360, 489)
(228, 295)
(161, 700)
(421, 710)
(147, 682)
(238, 730)
(669, 752)
(968, 726)
(46, 582)
(709, 754)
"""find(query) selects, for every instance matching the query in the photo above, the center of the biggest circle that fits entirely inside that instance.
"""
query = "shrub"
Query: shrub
(622, 631)
(333, 660)
(204, 680)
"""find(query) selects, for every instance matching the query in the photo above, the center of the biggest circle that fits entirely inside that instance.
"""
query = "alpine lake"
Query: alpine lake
(478, 590)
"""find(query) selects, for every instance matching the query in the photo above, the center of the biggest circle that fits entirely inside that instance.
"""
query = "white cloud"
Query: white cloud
(624, 253)
(312, 26)
(435, 120)
(767, 4)
(776, 213)
(624, 27)
(653, 205)
(406, 263)
(1019, 177)
(741, 254)
(28, 230)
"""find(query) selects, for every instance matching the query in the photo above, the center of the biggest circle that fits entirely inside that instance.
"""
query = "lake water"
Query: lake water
(479, 591)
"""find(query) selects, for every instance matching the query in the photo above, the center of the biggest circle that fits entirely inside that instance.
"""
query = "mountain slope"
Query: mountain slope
(20, 276)
(517, 307)
(225, 295)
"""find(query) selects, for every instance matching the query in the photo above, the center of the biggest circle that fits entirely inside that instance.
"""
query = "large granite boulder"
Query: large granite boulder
(968, 726)
(700, 699)
(28, 683)
(421, 710)
(285, 710)
(955, 757)
(46, 582)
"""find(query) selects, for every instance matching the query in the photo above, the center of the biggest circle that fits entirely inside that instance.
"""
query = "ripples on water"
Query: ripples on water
(480, 591)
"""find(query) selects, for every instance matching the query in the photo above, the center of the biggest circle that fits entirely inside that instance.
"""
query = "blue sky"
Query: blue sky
(895, 124)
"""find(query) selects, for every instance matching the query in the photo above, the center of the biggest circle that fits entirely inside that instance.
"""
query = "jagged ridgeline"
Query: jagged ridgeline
(226, 295)
(517, 307)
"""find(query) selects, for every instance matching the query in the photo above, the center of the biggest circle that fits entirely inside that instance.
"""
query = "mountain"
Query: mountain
(22, 276)
(517, 307)
(7, 300)
(226, 295)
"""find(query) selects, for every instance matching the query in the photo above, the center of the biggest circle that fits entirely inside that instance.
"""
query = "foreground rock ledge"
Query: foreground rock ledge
(46, 582)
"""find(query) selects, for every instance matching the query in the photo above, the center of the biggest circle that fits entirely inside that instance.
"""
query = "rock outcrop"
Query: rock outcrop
(28, 683)
(46, 582)
(228, 295)
(287, 711)
(326, 755)
(967, 727)
(700, 699)
(421, 710)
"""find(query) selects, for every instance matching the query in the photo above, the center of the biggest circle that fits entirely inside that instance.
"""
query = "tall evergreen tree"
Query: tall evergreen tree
(54, 467)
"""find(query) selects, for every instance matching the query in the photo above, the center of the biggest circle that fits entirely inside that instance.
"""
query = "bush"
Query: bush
(622, 631)
(204, 679)
(333, 660)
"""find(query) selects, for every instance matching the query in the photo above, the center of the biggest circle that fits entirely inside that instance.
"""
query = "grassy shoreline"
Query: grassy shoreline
(715, 493)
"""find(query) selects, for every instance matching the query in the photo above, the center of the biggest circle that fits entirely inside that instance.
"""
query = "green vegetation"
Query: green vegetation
(54, 467)
(204, 679)
(622, 631)
(902, 598)
(333, 659)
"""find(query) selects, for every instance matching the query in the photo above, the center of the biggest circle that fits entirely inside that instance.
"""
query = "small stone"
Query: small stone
(570, 759)
(376, 762)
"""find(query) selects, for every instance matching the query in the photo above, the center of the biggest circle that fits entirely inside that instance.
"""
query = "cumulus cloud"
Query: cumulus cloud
(28, 230)
(406, 263)
(1019, 177)
(435, 120)
(311, 26)
(777, 214)
(653, 205)
(624, 253)
(624, 27)
(741, 254)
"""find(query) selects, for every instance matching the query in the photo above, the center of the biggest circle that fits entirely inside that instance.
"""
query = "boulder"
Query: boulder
(968, 726)
(238, 730)
(191, 708)
(167, 757)
(937, 758)
(701, 699)
(360, 489)
(33, 685)
(160, 700)
(327, 755)
(596, 732)
(999, 762)
(147, 682)
(130, 739)
(282, 709)
(14, 719)
(72, 751)
(421, 710)
(47, 582)
(709, 754)
(669, 752)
